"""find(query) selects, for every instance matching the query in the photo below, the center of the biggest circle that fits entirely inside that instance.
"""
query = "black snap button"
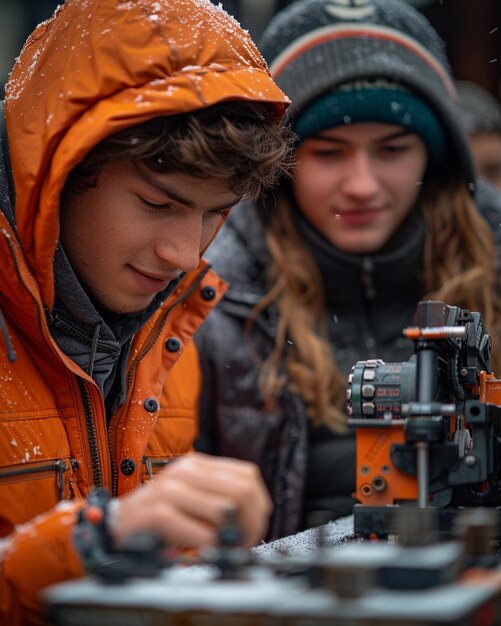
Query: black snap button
(208, 293)
(150, 405)
(172, 344)
(127, 467)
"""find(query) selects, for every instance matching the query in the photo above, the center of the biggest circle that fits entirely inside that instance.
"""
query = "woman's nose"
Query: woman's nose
(360, 178)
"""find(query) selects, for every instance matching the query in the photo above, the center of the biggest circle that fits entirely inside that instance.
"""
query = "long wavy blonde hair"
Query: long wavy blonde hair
(460, 268)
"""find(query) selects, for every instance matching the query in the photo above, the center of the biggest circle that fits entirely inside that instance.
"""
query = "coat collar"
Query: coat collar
(346, 276)
(352, 279)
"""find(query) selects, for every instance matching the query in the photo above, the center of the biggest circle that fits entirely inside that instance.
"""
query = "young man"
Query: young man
(128, 131)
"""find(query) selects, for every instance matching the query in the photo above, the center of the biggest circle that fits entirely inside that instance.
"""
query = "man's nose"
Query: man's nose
(180, 247)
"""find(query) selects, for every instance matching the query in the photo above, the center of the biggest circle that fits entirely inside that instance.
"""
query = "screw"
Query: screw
(366, 490)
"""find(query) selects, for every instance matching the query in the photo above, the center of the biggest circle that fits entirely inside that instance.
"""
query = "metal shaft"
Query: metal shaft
(426, 375)
(422, 473)
(426, 388)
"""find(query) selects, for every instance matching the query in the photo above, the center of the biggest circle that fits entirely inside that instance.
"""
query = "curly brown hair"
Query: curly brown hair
(238, 141)
(458, 269)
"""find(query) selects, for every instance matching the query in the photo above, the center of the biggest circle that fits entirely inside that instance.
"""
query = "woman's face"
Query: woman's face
(356, 184)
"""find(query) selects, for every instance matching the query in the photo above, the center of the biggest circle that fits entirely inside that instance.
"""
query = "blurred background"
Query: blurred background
(470, 28)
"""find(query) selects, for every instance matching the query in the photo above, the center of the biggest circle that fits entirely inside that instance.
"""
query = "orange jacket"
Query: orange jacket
(95, 68)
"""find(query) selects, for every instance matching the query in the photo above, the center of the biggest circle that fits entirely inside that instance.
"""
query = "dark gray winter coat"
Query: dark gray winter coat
(369, 299)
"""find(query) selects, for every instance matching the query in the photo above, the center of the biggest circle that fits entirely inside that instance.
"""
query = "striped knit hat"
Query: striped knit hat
(315, 46)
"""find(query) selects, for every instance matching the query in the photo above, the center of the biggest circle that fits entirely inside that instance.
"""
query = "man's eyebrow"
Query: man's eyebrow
(172, 194)
(165, 189)
(396, 135)
(222, 208)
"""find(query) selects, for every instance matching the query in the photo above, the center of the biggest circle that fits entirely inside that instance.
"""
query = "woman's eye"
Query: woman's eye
(327, 153)
(394, 149)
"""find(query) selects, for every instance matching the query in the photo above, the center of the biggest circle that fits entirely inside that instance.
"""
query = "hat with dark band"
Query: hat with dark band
(315, 47)
(378, 101)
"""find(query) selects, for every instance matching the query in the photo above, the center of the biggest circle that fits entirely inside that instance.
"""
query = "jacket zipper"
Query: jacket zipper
(91, 433)
(153, 338)
(59, 467)
(369, 295)
(84, 393)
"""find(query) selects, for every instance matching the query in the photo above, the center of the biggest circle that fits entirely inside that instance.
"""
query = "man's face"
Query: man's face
(357, 183)
(137, 230)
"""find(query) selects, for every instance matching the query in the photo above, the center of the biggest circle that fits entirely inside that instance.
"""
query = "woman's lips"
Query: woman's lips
(358, 217)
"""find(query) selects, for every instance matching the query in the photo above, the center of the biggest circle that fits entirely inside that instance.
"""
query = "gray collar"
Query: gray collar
(81, 331)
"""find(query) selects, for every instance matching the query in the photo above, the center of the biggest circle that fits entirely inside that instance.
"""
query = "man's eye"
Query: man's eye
(219, 212)
(151, 206)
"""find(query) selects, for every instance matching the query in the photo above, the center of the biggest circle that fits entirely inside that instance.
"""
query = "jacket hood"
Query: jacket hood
(100, 66)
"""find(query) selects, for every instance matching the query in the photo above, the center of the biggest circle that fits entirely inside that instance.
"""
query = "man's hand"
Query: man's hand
(187, 501)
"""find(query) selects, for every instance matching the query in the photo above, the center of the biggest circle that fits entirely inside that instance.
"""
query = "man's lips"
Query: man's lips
(152, 282)
(161, 277)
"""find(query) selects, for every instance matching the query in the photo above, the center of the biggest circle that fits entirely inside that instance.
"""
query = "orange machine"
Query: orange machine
(379, 482)
(426, 428)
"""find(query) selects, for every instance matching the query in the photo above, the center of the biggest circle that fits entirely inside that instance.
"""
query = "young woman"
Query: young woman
(382, 211)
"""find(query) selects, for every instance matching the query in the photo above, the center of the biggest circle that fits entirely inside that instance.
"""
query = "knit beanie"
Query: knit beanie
(374, 101)
(321, 52)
